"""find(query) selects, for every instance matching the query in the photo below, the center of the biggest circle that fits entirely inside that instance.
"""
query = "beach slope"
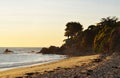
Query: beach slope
(41, 69)
(92, 66)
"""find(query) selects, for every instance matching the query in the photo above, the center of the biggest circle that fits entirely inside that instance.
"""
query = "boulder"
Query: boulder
(51, 50)
(7, 51)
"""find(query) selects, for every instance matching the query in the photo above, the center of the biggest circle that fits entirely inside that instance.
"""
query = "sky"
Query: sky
(41, 23)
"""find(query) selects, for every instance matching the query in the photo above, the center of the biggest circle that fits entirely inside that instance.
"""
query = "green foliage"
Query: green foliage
(106, 37)
(115, 40)
(103, 37)
(101, 42)
(109, 22)
(72, 29)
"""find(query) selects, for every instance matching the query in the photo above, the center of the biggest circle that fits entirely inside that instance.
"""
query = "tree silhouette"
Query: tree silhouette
(103, 37)
(109, 22)
(106, 36)
(91, 27)
(72, 29)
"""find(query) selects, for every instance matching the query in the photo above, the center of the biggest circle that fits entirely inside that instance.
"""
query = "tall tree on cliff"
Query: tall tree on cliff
(72, 29)
(106, 37)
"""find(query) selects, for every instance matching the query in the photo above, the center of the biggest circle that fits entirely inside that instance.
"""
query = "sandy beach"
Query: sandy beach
(66, 63)
(91, 66)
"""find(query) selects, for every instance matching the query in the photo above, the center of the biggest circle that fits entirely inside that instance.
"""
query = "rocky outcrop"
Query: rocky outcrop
(7, 51)
(51, 50)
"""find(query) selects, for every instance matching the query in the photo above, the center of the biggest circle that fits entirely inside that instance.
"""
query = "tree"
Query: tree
(87, 38)
(72, 29)
(91, 27)
(106, 37)
(109, 22)
(103, 37)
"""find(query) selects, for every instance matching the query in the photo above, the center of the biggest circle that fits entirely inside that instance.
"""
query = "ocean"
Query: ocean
(23, 57)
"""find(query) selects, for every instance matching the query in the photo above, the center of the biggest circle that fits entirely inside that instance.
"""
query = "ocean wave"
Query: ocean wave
(24, 59)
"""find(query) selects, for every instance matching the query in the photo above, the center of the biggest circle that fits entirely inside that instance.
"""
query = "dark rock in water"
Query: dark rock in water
(7, 51)
(44, 50)
(32, 52)
(51, 50)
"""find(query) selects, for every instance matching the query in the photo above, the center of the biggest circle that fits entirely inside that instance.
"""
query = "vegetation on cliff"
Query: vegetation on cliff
(101, 38)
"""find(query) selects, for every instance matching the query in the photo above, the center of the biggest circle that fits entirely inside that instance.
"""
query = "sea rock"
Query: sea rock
(32, 52)
(7, 51)
(51, 50)
(44, 50)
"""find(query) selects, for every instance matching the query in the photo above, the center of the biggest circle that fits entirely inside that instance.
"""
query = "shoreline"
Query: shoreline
(11, 61)
(41, 69)
(27, 65)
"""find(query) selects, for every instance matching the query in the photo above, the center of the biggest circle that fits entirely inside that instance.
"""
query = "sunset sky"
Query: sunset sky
(41, 23)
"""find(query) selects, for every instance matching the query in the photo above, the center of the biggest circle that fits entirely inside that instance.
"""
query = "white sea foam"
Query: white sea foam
(22, 58)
